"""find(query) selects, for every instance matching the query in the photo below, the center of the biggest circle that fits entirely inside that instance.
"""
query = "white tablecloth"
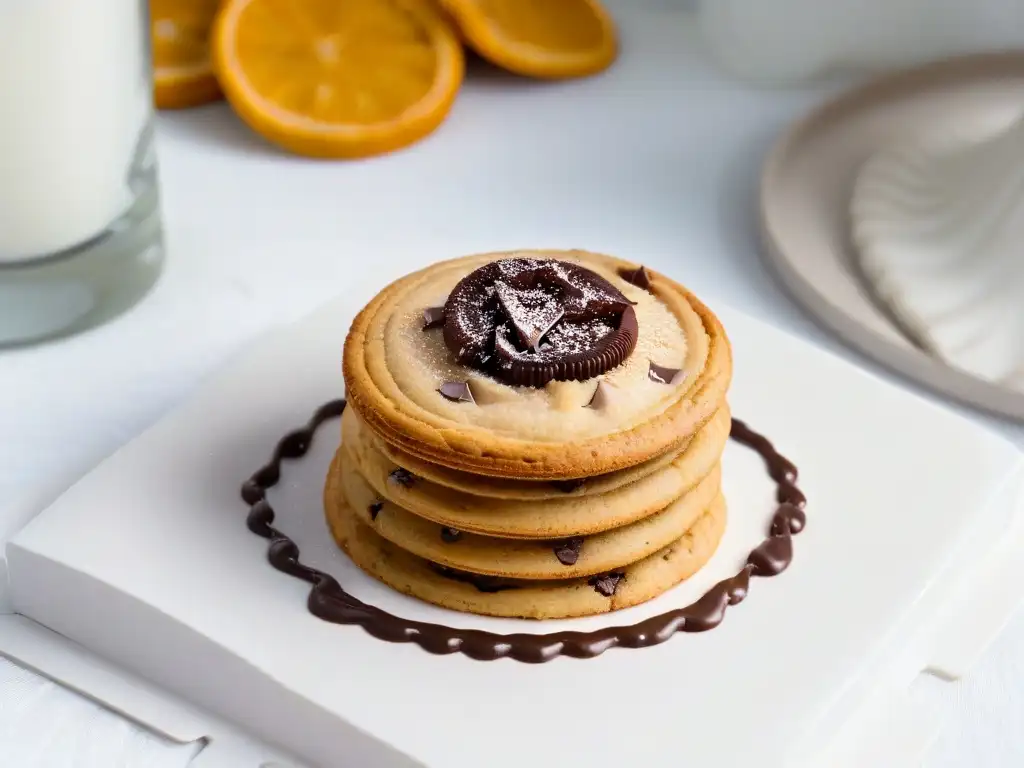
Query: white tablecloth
(657, 162)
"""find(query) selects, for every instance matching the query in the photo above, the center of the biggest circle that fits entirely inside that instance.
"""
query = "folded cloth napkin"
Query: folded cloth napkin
(43, 725)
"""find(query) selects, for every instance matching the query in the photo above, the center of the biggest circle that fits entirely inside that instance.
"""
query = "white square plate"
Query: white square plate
(147, 561)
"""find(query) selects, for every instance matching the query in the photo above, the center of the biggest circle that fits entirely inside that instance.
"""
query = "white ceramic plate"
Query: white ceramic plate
(805, 192)
(148, 561)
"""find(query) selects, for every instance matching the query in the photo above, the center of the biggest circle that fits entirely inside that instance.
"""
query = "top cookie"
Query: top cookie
(536, 365)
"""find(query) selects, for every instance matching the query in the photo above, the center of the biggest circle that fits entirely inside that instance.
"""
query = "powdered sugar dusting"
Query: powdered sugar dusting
(419, 362)
(531, 310)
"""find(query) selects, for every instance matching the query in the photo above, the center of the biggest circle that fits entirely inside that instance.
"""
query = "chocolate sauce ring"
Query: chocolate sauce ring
(478, 332)
(328, 601)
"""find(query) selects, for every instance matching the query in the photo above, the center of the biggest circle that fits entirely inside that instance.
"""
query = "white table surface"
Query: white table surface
(657, 161)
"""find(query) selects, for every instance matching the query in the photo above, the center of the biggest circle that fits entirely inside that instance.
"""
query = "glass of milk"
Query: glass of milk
(80, 236)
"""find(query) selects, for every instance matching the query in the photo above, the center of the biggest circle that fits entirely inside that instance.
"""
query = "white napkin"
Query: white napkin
(43, 725)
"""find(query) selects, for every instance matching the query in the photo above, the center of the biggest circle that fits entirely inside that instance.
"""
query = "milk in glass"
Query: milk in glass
(79, 225)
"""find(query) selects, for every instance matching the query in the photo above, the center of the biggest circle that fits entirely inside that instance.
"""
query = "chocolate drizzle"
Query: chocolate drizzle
(328, 601)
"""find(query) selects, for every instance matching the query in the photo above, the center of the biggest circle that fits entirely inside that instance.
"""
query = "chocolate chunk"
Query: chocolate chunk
(663, 375)
(450, 535)
(568, 551)
(568, 486)
(375, 509)
(606, 584)
(530, 321)
(602, 396)
(403, 477)
(433, 317)
(457, 392)
(637, 277)
(487, 584)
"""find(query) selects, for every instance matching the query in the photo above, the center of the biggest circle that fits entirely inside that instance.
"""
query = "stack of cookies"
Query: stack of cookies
(532, 434)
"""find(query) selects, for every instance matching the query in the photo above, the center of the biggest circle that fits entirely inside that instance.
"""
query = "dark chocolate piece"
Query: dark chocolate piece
(433, 317)
(602, 396)
(487, 584)
(607, 583)
(530, 321)
(450, 535)
(375, 509)
(568, 486)
(662, 375)
(568, 551)
(457, 392)
(637, 277)
(328, 601)
(403, 477)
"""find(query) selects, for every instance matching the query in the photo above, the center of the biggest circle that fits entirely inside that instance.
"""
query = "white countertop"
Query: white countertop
(657, 161)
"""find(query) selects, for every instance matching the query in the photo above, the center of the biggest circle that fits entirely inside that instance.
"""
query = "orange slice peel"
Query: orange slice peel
(182, 70)
(548, 39)
(331, 79)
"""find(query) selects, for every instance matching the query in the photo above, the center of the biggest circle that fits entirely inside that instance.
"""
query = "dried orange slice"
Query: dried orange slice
(538, 38)
(327, 78)
(182, 70)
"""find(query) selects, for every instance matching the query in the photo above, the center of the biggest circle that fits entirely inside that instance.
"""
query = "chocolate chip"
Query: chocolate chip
(487, 584)
(663, 375)
(568, 551)
(433, 317)
(602, 396)
(450, 535)
(637, 277)
(375, 509)
(403, 477)
(606, 584)
(568, 486)
(457, 392)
